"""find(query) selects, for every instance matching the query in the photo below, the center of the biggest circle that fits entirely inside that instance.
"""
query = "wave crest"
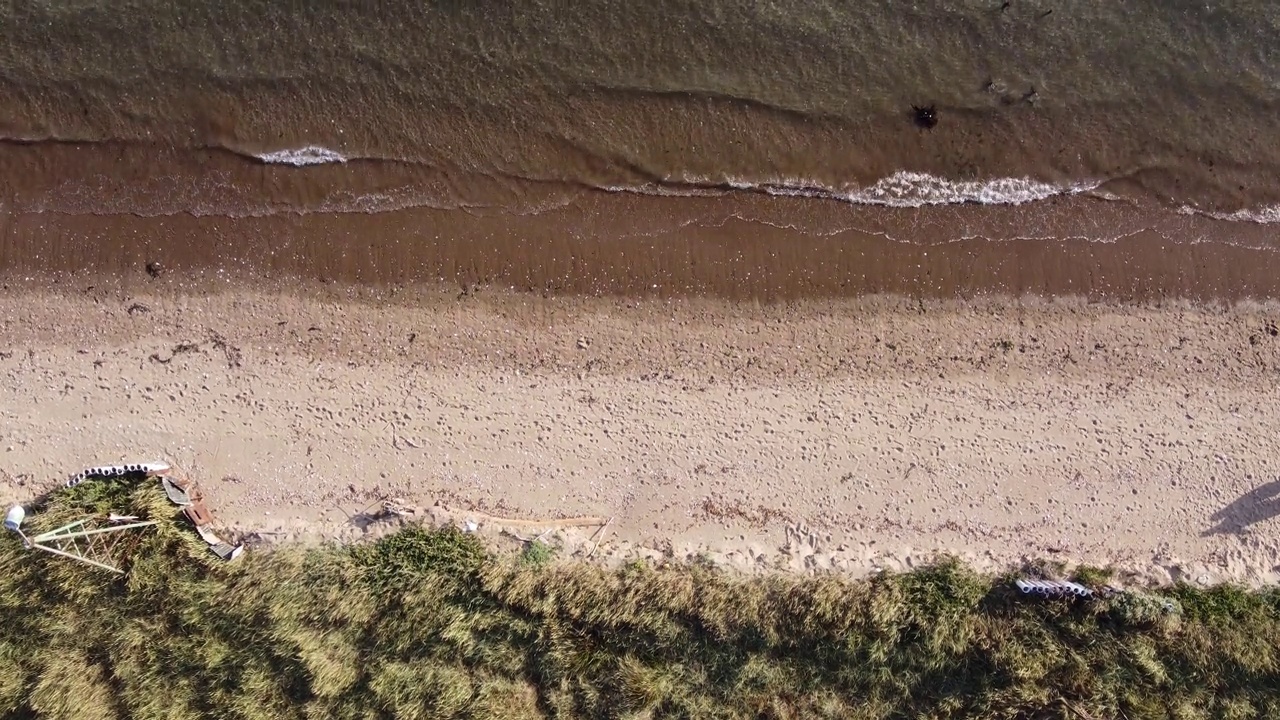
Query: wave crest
(1263, 216)
(903, 189)
(301, 157)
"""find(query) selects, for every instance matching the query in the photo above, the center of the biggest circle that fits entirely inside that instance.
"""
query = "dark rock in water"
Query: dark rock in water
(154, 269)
(926, 116)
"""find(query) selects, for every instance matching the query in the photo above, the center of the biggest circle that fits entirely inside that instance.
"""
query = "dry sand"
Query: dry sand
(846, 434)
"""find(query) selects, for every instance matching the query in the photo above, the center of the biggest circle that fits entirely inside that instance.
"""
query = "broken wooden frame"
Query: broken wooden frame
(188, 496)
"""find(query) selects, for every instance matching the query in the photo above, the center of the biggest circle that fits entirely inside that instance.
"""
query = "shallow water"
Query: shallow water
(1166, 110)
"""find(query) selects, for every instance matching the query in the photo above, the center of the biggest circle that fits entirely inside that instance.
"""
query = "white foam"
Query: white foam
(1264, 215)
(909, 189)
(903, 189)
(309, 155)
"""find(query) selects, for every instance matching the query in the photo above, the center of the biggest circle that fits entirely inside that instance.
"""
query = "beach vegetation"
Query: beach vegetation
(433, 624)
(537, 553)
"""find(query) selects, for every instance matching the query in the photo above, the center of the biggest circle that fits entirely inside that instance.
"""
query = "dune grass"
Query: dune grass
(428, 624)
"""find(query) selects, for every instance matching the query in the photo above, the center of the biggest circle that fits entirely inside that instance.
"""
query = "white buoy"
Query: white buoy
(13, 520)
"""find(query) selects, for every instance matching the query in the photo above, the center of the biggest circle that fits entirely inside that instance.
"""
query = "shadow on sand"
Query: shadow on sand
(1260, 503)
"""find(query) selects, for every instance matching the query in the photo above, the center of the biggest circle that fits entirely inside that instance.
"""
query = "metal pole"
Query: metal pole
(81, 558)
(59, 534)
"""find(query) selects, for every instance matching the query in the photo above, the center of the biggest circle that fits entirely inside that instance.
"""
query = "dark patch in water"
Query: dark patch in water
(926, 116)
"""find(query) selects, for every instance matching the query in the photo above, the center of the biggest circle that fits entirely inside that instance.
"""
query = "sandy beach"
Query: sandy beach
(846, 434)
(756, 349)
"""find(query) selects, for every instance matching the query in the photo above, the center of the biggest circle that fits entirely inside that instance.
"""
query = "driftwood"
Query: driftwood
(598, 536)
(550, 524)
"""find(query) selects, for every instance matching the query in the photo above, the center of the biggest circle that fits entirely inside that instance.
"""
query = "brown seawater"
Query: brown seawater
(450, 135)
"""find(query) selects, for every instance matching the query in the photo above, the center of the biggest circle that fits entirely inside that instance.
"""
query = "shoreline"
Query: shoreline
(207, 216)
(808, 435)
(745, 248)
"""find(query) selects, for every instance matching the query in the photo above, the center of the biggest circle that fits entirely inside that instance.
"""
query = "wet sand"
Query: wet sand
(850, 434)
(740, 247)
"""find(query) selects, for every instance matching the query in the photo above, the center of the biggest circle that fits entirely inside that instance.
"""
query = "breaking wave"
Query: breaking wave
(903, 189)
(914, 189)
(301, 157)
(1263, 216)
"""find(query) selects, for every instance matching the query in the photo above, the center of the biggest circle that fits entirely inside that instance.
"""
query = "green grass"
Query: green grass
(428, 624)
(537, 553)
